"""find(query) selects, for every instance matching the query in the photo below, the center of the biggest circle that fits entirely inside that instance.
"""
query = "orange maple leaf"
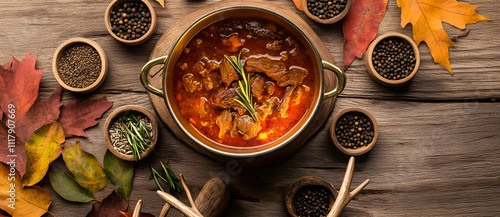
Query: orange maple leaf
(427, 16)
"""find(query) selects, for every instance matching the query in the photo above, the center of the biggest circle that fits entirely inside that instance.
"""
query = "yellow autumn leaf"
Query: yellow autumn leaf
(427, 16)
(21, 202)
(162, 3)
(42, 148)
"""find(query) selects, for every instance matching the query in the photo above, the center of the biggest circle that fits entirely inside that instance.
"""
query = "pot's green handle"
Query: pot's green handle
(145, 75)
(340, 77)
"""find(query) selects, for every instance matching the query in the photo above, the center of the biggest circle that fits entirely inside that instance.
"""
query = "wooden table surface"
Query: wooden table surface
(439, 144)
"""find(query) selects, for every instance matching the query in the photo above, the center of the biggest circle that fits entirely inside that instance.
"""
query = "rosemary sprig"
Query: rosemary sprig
(244, 92)
(137, 133)
(167, 176)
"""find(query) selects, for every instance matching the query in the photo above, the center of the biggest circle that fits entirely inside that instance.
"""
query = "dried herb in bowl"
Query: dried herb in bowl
(131, 134)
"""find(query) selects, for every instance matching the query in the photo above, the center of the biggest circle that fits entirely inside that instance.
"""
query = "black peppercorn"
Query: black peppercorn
(126, 19)
(312, 200)
(393, 58)
(325, 9)
(354, 130)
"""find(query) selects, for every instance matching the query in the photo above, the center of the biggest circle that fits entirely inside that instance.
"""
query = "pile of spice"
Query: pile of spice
(325, 9)
(393, 58)
(312, 201)
(130, 20)
(131, 134)
(79, 65)
(354, 130)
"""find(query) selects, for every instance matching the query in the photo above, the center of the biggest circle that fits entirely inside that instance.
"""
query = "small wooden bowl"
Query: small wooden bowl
(142, 39)
(329, 20)
(124, 110)
(307, 181)
(104, 64)
(375, 75)
(360, 150)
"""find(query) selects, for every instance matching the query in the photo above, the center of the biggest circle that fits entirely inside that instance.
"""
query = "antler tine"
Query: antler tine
(344, 190)
(188, 193)
(137, 209)
(187, 211)
(164, 210)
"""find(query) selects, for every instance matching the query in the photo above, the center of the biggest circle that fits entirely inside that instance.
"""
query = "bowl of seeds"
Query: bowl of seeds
(131, 22)
(326, 11)
(131, 132)
(354, 131)
(80, 65)
(392, 59)
(310, 196)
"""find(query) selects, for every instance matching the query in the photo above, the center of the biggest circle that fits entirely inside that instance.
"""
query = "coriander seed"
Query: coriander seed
(79, 65)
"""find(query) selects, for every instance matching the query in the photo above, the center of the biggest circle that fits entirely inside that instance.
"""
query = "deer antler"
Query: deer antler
(187, 211)
(344, 196)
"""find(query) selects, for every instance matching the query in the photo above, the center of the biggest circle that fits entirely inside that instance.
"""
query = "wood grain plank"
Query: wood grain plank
(437, 154)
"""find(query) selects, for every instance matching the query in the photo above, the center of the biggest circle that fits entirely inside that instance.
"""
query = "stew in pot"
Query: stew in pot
(208, 86)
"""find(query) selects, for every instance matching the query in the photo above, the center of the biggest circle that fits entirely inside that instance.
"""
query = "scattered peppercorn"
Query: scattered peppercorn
(354, 130)
(312, 201)
(325, 9)
(130, 20)
(393, 58)
(79, 65)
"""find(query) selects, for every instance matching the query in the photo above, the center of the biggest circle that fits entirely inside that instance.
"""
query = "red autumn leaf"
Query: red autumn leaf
(130, 214)
(76, 117)
(40, 114)
(11, 150)
(360, 27)
(19, 83)
(111, 206)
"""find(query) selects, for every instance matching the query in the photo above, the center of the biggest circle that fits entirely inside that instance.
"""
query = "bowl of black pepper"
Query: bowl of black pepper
(310, 196)
(80, 65)
(354, 131)
(392, 59)
(131, 22)
(326, 11)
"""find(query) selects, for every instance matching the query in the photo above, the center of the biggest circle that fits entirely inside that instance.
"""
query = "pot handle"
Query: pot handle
(341, 80)
(144, 76)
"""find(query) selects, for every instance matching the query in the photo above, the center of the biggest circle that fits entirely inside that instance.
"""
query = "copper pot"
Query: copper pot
(169, 63)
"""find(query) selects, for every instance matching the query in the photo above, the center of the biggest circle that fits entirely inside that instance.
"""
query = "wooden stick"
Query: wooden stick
(164, 210)
(137, 209)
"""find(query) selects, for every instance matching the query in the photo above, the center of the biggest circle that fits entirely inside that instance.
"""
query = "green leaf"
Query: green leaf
(120, 173)
(69, 189)
(84, 167)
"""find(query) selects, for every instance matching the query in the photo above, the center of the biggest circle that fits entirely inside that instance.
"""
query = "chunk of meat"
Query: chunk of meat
(224, 98)
(276, 70)
(247, 126)
(257, 83)
(285, 102)
(224, 121)
(275, 45)
(190, 83)
(207, 82)
(295, 76)
(227, 72)
(269, 88)
(266, 108)
(297, 95)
